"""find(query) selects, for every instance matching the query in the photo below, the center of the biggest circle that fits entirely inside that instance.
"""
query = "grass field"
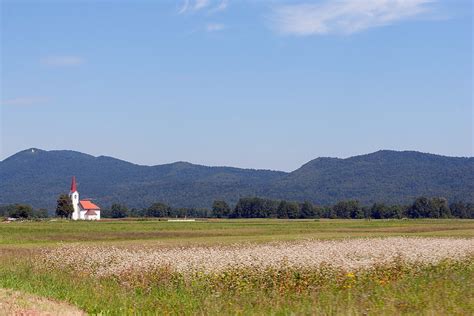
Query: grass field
(34, 259)
(31, 234)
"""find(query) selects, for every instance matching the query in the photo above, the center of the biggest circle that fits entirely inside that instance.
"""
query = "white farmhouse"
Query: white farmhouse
(83, 209)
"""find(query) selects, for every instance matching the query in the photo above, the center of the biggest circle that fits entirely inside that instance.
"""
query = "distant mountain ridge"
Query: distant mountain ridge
(37, 177)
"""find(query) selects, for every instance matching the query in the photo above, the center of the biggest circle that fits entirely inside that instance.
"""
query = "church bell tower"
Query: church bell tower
(74, 196)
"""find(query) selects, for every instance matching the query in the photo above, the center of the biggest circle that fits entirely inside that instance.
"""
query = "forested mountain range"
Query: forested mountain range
(37, 177)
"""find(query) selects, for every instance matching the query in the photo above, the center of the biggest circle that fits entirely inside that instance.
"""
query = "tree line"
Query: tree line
(22, 211)
(158, 209)
(422, 207)
(255, 207)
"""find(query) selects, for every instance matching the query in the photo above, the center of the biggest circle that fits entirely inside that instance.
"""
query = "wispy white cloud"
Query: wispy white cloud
(213, 27)
(193, 5)
(198, 5)
(221, 6)
(344, 16)
(184, 7)
(24, 101)
(62, 61)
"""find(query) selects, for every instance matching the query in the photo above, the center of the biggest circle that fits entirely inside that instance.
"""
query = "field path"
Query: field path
(18, 303)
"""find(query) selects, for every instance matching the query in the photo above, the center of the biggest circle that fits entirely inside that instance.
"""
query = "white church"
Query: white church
(83, 209)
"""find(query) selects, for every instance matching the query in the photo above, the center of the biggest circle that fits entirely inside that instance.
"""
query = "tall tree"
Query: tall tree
(378, 210)
(158, 210)
(64, 206)
(348, 209)
(420, 208)
(5, 210)
(288, 209)
(307, 210)
(470, 210)
(21, 211)
(118, 210)
(220, 209)
(440, 207)
(459, 209)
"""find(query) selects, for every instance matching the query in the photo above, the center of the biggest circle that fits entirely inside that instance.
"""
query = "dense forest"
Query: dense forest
(255, 207)
(37, 177)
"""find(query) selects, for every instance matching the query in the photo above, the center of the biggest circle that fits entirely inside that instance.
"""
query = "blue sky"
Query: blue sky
(256, 84)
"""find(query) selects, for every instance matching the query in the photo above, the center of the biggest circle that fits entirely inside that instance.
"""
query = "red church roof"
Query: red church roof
(88, 205)
(73, 184)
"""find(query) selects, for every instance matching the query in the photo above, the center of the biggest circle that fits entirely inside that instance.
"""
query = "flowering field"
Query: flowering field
(344, 255)
(414, 267)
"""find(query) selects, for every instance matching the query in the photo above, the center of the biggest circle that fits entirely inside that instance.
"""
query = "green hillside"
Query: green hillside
(37, 177)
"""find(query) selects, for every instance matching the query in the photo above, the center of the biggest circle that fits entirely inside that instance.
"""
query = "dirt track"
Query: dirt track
(18, 303)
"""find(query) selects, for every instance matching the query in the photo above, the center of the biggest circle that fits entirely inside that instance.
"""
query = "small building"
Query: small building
(83, 209)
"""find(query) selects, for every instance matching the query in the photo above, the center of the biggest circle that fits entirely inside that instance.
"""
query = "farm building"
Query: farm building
(83, 209)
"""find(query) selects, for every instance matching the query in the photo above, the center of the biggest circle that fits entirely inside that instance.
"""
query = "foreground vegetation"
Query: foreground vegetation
(440, 289)
(34, 258)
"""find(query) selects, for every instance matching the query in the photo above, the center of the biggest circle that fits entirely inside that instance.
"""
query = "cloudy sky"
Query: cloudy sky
(257, 84)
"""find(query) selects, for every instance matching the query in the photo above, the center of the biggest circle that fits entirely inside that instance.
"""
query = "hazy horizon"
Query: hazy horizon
(248, 84)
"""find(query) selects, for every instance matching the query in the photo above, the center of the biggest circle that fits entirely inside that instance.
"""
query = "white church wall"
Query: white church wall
(82, 214)
(75, 204)
(93, 217)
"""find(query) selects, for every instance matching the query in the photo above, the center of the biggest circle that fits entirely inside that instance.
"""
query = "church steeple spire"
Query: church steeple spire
(73, 184)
